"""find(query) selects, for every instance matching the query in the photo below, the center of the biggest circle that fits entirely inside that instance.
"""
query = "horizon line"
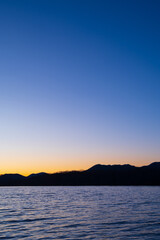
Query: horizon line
(80, 170)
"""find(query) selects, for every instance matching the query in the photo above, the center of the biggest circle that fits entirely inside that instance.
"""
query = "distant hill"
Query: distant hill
(111, 175)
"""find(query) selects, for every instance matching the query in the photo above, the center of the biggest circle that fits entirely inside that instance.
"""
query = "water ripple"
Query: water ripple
(79, 213)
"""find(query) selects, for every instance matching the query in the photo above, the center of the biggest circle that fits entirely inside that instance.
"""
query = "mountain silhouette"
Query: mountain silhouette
(111, 175)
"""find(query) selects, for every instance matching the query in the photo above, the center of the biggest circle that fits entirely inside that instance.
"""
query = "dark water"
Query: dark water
(80, 213)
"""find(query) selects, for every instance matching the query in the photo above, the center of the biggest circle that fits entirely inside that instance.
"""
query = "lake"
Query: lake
(80, 213)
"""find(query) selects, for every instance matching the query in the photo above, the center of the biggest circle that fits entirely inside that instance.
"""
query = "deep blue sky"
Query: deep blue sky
(79, 83)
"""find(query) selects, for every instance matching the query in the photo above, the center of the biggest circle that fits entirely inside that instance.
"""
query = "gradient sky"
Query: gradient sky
(79, 84)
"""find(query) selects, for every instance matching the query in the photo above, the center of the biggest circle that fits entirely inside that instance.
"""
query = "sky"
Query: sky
(79, 84)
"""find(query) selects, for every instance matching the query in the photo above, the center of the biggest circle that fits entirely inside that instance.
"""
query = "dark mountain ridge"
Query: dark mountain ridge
(111, 175)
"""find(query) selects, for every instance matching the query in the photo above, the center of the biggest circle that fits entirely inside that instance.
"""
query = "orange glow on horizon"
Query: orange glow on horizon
(46, 164)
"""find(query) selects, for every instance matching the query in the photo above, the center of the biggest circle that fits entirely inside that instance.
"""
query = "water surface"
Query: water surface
(80, 213)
